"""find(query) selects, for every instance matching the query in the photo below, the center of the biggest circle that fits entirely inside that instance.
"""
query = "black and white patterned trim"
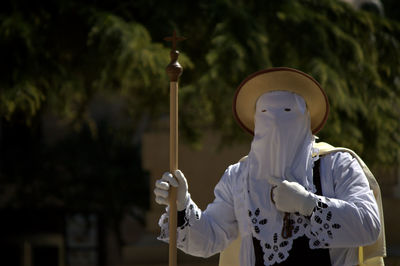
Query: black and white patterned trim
(192, 213)
(300, 224)
(256, 221)
(322, 225)
(277, 250)
(275, 247)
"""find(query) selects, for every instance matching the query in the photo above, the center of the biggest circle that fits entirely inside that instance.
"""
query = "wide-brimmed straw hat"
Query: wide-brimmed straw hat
(280, 79)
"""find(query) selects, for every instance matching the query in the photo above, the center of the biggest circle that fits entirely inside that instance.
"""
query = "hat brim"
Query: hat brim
(280, 79)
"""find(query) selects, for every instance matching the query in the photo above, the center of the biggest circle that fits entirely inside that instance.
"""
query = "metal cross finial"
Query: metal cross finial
(174, 40)
(174, 69)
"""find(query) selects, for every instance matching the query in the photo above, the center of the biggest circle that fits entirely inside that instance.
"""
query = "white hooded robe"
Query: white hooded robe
(346, 216)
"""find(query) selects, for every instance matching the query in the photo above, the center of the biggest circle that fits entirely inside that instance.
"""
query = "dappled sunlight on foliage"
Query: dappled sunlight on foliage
(59, 57)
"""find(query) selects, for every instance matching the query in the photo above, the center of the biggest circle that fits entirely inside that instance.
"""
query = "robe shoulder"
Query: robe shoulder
(234, 172)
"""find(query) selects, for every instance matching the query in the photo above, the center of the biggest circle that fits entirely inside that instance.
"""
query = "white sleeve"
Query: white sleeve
(206, 233)
(350, 216)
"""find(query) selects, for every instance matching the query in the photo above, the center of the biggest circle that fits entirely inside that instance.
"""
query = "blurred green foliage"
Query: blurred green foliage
(58, 56)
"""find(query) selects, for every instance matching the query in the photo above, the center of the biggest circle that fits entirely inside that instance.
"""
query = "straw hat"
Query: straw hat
(280, 79)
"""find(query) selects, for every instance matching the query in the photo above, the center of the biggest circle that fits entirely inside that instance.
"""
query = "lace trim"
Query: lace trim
(319, 228)
(323, 225)
(192, 213)
(275, 247)
(277, 250)
(257, 222)
(300, 224)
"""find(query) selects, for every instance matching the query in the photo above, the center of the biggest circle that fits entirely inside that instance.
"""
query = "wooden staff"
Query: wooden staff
(174, 71)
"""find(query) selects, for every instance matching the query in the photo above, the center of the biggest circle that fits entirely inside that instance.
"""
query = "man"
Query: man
(289, 205)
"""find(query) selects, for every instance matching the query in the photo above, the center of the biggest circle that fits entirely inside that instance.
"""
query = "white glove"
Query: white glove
(292, 197)
(163, 185)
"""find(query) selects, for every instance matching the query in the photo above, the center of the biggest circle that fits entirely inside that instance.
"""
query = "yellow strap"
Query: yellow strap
(360, 256)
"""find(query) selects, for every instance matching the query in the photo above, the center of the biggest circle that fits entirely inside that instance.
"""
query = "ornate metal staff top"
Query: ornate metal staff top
(174, 69)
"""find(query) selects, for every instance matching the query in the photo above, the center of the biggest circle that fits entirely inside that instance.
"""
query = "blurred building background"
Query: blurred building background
(84, 112)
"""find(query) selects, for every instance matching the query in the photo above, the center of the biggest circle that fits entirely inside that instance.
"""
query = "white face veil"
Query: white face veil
(282, 147)
(282, 139)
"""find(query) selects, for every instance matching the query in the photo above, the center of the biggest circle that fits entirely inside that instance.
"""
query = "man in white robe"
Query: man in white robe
(289, 205)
